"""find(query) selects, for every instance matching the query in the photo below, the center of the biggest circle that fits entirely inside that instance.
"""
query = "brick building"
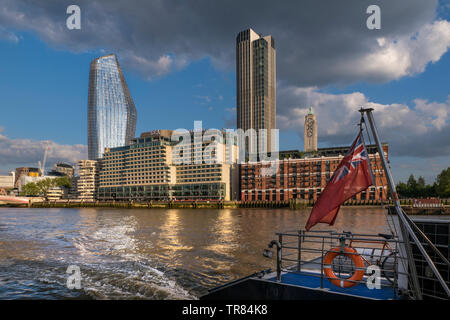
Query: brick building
(305, 175)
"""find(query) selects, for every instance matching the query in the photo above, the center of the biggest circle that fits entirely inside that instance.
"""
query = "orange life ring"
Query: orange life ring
(357, 260)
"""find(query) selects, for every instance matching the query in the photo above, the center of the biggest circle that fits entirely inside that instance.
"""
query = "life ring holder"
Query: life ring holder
(357, 260)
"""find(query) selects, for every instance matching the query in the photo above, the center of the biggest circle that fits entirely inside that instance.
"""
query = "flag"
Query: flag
(352, 176)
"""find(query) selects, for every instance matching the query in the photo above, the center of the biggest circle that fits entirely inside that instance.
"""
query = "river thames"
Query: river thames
(145, 253)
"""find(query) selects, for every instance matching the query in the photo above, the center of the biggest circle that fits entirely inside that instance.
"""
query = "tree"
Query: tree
(62, 182)
(412, 186)
(30, 189)
(421, 183)
(402, 190)
(443, 183)
(41, 187)
(430, 190)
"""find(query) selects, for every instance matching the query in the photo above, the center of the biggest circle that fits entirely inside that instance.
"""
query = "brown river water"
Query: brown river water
(145, 253)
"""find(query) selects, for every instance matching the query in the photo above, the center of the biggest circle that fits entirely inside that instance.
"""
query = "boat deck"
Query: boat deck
(313, 281)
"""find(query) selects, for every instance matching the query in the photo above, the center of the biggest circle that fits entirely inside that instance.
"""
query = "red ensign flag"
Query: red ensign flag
(352, 176)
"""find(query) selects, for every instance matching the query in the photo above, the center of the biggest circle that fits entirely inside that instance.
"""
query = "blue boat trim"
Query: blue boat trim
(311, 280)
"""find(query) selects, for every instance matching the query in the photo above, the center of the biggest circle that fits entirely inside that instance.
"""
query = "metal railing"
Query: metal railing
(304, 253)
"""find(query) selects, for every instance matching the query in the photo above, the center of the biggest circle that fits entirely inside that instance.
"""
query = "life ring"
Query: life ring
(357, 260)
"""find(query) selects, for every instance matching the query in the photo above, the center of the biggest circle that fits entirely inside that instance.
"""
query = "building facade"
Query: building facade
(111, 112)
(56, 193)
(139, 171)
(62, 169)
(25, 171)
(256, 87)
(87, 182)
(211, 173)
(154, 168)
(305, 178)
(310, 132)
(7, 182)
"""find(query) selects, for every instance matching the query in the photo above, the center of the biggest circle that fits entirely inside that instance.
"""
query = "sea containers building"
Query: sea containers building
(151, 168)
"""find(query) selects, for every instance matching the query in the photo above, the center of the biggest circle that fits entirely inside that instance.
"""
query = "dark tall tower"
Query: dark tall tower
(256, 86)
(111, 112)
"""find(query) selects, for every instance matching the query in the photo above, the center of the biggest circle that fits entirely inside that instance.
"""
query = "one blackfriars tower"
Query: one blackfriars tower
(111, 112)
(256, 86)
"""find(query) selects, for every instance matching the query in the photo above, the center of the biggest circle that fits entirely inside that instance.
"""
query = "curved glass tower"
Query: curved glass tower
(111, 111)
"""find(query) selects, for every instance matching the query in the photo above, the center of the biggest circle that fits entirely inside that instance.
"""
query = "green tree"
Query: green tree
(412, 186)
(421, 183)
(430, 190)
(30, 189)
(44, 185)
(62, 182)
(443, 183)
(41, 187)
(416, 189)
(402, 190)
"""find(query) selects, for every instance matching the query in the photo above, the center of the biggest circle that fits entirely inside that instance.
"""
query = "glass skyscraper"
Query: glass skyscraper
(111, 111)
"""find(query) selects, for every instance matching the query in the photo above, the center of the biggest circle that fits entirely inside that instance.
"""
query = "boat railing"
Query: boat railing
(304, 253)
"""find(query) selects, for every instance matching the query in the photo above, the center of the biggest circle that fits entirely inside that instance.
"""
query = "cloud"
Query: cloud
(421, 130)
(231, 110)
(396, 57)
(8, 35)
(26, 152)
(318, 42)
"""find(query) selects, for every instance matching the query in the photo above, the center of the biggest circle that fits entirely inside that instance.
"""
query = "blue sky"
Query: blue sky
(44, 82)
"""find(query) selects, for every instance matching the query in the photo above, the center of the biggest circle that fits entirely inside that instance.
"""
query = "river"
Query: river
(145, 253)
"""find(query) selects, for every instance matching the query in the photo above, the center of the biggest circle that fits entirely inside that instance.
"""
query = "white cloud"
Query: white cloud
(393, 58)
(420, 130)
(26, 152)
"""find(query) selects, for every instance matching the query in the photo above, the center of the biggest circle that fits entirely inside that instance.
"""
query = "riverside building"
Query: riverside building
(24, 171)
(153, 167)
(88, 180)
(304, 176)
(7, 182)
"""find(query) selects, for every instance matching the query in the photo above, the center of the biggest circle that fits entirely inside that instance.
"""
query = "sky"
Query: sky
(179, 63)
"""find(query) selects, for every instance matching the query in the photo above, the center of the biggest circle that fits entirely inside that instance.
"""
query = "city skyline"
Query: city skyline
(410, 98)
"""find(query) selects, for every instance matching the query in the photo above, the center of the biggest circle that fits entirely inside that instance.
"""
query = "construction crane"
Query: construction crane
(42, 167)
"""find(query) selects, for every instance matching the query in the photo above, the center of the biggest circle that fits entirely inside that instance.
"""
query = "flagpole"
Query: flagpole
(398, 207)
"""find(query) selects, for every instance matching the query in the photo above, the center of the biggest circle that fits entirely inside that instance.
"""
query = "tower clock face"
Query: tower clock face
(309, 127)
